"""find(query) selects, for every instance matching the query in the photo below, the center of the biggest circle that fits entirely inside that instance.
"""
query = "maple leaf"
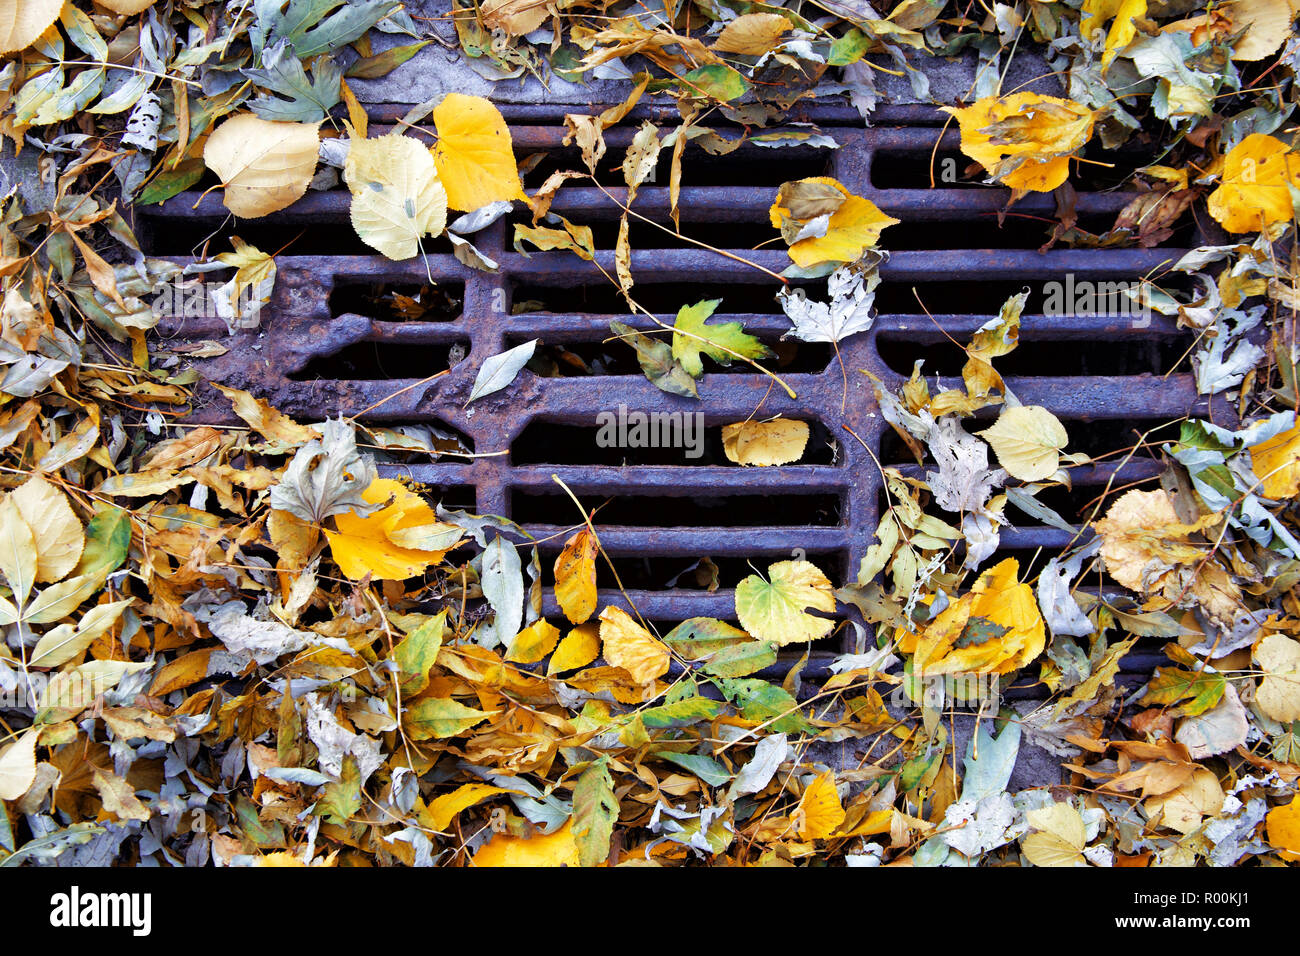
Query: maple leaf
(694, 336)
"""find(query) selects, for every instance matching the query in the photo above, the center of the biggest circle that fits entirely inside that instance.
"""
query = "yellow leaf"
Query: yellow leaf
(396, 195)
(556, 849)
(1028, 440)
(777, 442)
(515, 17)
(1275, 462)
(1267, 24)
(364, 546)
(127, 7)
(1048, 849)
(1283, 828)
(22, 21)
(18, 766)
(575, 577)
(820, 812)
(1024, 140)
(776, 609)
(56, 530)
(823, 222)
(254, 270)
(265, 420)
(1278, 695)
(1255, 188)
(475, 160)
(1122, 31)
(752, 34)
(264, 166)
(443, 810)
(1183, 809)
(1060, 820)
(17, 550)
(533, 643)
(578, 649)
(630, 646)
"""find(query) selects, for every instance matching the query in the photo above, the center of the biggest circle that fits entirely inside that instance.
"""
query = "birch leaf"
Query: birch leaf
(1028, 440)
(396, 195)
(475, 160)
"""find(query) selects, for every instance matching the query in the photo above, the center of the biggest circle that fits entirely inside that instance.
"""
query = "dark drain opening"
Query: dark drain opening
(738, 297)
(374, 361)
(697, 511)
(555, 443)
(186, 236)
(896, 169)
(746, 166)
(614, 357)
(1119, 356)
(654, 573)
(397, 302)
(1018, 231)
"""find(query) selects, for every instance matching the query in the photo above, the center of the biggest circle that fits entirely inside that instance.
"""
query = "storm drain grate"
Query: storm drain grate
(325, 349)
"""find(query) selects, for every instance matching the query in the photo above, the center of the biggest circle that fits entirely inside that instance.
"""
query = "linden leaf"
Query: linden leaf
(474, 156)
(515, 17)
(1255, 186)
(777, 442)
(56, 530)
(396, 195)
(693, 336)
(364, 545)
(1024, 140)
(776, 609)
(823, 222)
(1282, 825)
(1278, 695)
(264, 166)
(22, 21)
(575, 577)
(628, 645)
(1027, 440)
(1122, 31)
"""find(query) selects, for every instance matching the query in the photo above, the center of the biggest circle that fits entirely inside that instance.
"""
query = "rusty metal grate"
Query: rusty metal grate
(1101, 376)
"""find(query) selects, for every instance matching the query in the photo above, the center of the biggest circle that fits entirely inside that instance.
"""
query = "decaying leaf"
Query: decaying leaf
(264, 166)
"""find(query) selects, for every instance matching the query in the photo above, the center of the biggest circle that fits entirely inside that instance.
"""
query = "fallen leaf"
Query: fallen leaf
(1027, 440)
(628, 645)
(1122, 31)
(1282, 825)
(501, 369)
(1276, 462)
(1278, 694)
(556, 849)
(18, 766)
(444, 809)
(575, 577)
(1255, 186)
(776, 609)
(264, 166)
(475, 160)
(1024, 140)
(24, 21)
(823, 222)
(777, 442)
(56, 530)
(363, 545)
(752, 34)
(397, 197)
(693, 337)
(533, 643)
(820, 812)
(578, 649)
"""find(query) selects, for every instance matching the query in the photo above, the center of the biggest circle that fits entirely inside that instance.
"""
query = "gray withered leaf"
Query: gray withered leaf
(500, 370)
(326, 476)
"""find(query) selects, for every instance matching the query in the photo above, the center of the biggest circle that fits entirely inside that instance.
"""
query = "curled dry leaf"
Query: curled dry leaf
(777, 442)
(822, 222)
(752, 34)
(1027, 440)
(1024, 140)
(264, 166)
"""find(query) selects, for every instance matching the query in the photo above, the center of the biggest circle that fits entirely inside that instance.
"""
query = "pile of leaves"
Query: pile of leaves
(244, 646)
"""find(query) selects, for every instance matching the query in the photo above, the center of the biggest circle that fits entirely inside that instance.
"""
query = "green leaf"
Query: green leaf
(717, 81)
(681, 714)
(342, 798)
(741, 660)
(758, 700)
(699, 637)
(260, 833)
(305, 25)
(416, 655)
(657, 361)
(108, 539)
(304, 100)
(171, 182)
(1170, 685)
(849, 48)
(706, 768)
(719, 343)
(441, 717)
(595, 810)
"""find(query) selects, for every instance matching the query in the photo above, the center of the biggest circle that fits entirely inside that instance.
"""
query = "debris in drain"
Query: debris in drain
(732, 482)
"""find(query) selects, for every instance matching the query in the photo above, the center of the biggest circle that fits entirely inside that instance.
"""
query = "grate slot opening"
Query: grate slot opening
(1125, 356)
(397, 302)
(909, 169)
(739, 229)
(1018, 231)
(603, 298)
(172, 236)
(986, 296)
(369, 361)
(557, 443)
(653, 573)
(700, 510)
(747, 165)
(580, 359)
